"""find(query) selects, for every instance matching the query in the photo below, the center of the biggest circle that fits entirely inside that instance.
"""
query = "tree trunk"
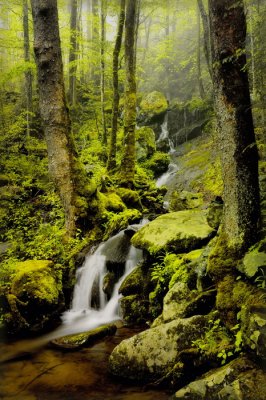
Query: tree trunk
(236, 134)
(112, 152)
(73, 53)
(201, 87)
(206, 36)
(102, 57)
(95, 76)
(28, 74)
(53, 108)
(128, 160)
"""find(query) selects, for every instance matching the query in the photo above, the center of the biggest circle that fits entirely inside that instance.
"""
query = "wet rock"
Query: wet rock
(35, 297)
(152, 354)
(85, 339)
(134, 309)
(108, 284)
(176, 301)
(152, 108)
(133, 283)
(179, 231)
(241, 379)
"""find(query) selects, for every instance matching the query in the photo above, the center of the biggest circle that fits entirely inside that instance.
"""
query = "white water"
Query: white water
(165, 178)
(164, 135)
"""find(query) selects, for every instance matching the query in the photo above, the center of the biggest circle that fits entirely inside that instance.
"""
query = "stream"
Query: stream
(34, 370)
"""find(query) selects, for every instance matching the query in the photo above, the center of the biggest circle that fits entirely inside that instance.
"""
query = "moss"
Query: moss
(111, 201)
(254, 260)
(180, 231)
(158, 163)
(133, 283)
(154, 103)
(118, 222)
(185, 200)
(129, 197)
(134, 309)
(36, 280)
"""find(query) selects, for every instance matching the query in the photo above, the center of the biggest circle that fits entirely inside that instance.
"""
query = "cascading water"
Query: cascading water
(90, 305)
(164, 135)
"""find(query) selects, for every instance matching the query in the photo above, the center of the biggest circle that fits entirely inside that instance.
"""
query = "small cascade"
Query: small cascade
(164, 135)
(165, 178)
(90, 305)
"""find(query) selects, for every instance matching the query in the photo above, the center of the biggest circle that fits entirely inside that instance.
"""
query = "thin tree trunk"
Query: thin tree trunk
(102, 57)
(206, 36)
(128, 160)
(201, 87)
(57, 127)
(236, 134)
(95, 76)
(112, 152)
(28, 74)
(73, 53)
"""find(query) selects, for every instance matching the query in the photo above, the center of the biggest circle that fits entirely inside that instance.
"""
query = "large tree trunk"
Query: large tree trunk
(28, 74)
(102, 61)
(53, 108)
(112, 152)
(128, 160)
(236, 134)
(200, 82)
(206, 35)
(73, 53)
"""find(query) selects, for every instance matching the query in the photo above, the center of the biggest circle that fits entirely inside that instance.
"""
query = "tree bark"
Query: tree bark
(201, 87)
(102, 58)
(73, 53)
(28, 74)
(206, 36)
(54, 113)
(236, 134)
(128, 160)
(118, 42)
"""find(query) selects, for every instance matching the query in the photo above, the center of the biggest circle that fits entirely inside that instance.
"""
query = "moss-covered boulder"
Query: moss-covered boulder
(134, 309)
(158, 163)
(152, 106)
(85, 339)
(152, 354)
(35, 294)
(119, 221)
(179, 231)
(133, 283)
(253, 328)
(130, 197)
(240, 379)
(145, 143)
(185, 200)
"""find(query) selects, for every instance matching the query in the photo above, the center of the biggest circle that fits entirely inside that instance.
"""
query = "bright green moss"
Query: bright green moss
(154, 103)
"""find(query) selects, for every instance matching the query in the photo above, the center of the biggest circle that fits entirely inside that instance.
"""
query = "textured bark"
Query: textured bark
(201, 87)
(128, 160)
(53, 104)
(118, 42)
(28, 74)
(236, 134)
(73, 53)
(206, 35)
(102, 57)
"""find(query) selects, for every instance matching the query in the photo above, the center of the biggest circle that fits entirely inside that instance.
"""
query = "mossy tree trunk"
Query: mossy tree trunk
(28, 73)
(128, 160)
(206, 35)
(118, 42)
(236, 134)
(53, 109)
(102, 62)
(73, 52)
(200, 81)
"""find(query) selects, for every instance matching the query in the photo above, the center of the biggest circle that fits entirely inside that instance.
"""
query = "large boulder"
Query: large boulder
(241, 379)
(178, 231)
(152, 354)
(35, 294)
(153, 107)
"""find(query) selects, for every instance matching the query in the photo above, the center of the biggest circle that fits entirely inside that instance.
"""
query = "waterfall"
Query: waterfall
(90, 305)
(165, 178)
(164, 135)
